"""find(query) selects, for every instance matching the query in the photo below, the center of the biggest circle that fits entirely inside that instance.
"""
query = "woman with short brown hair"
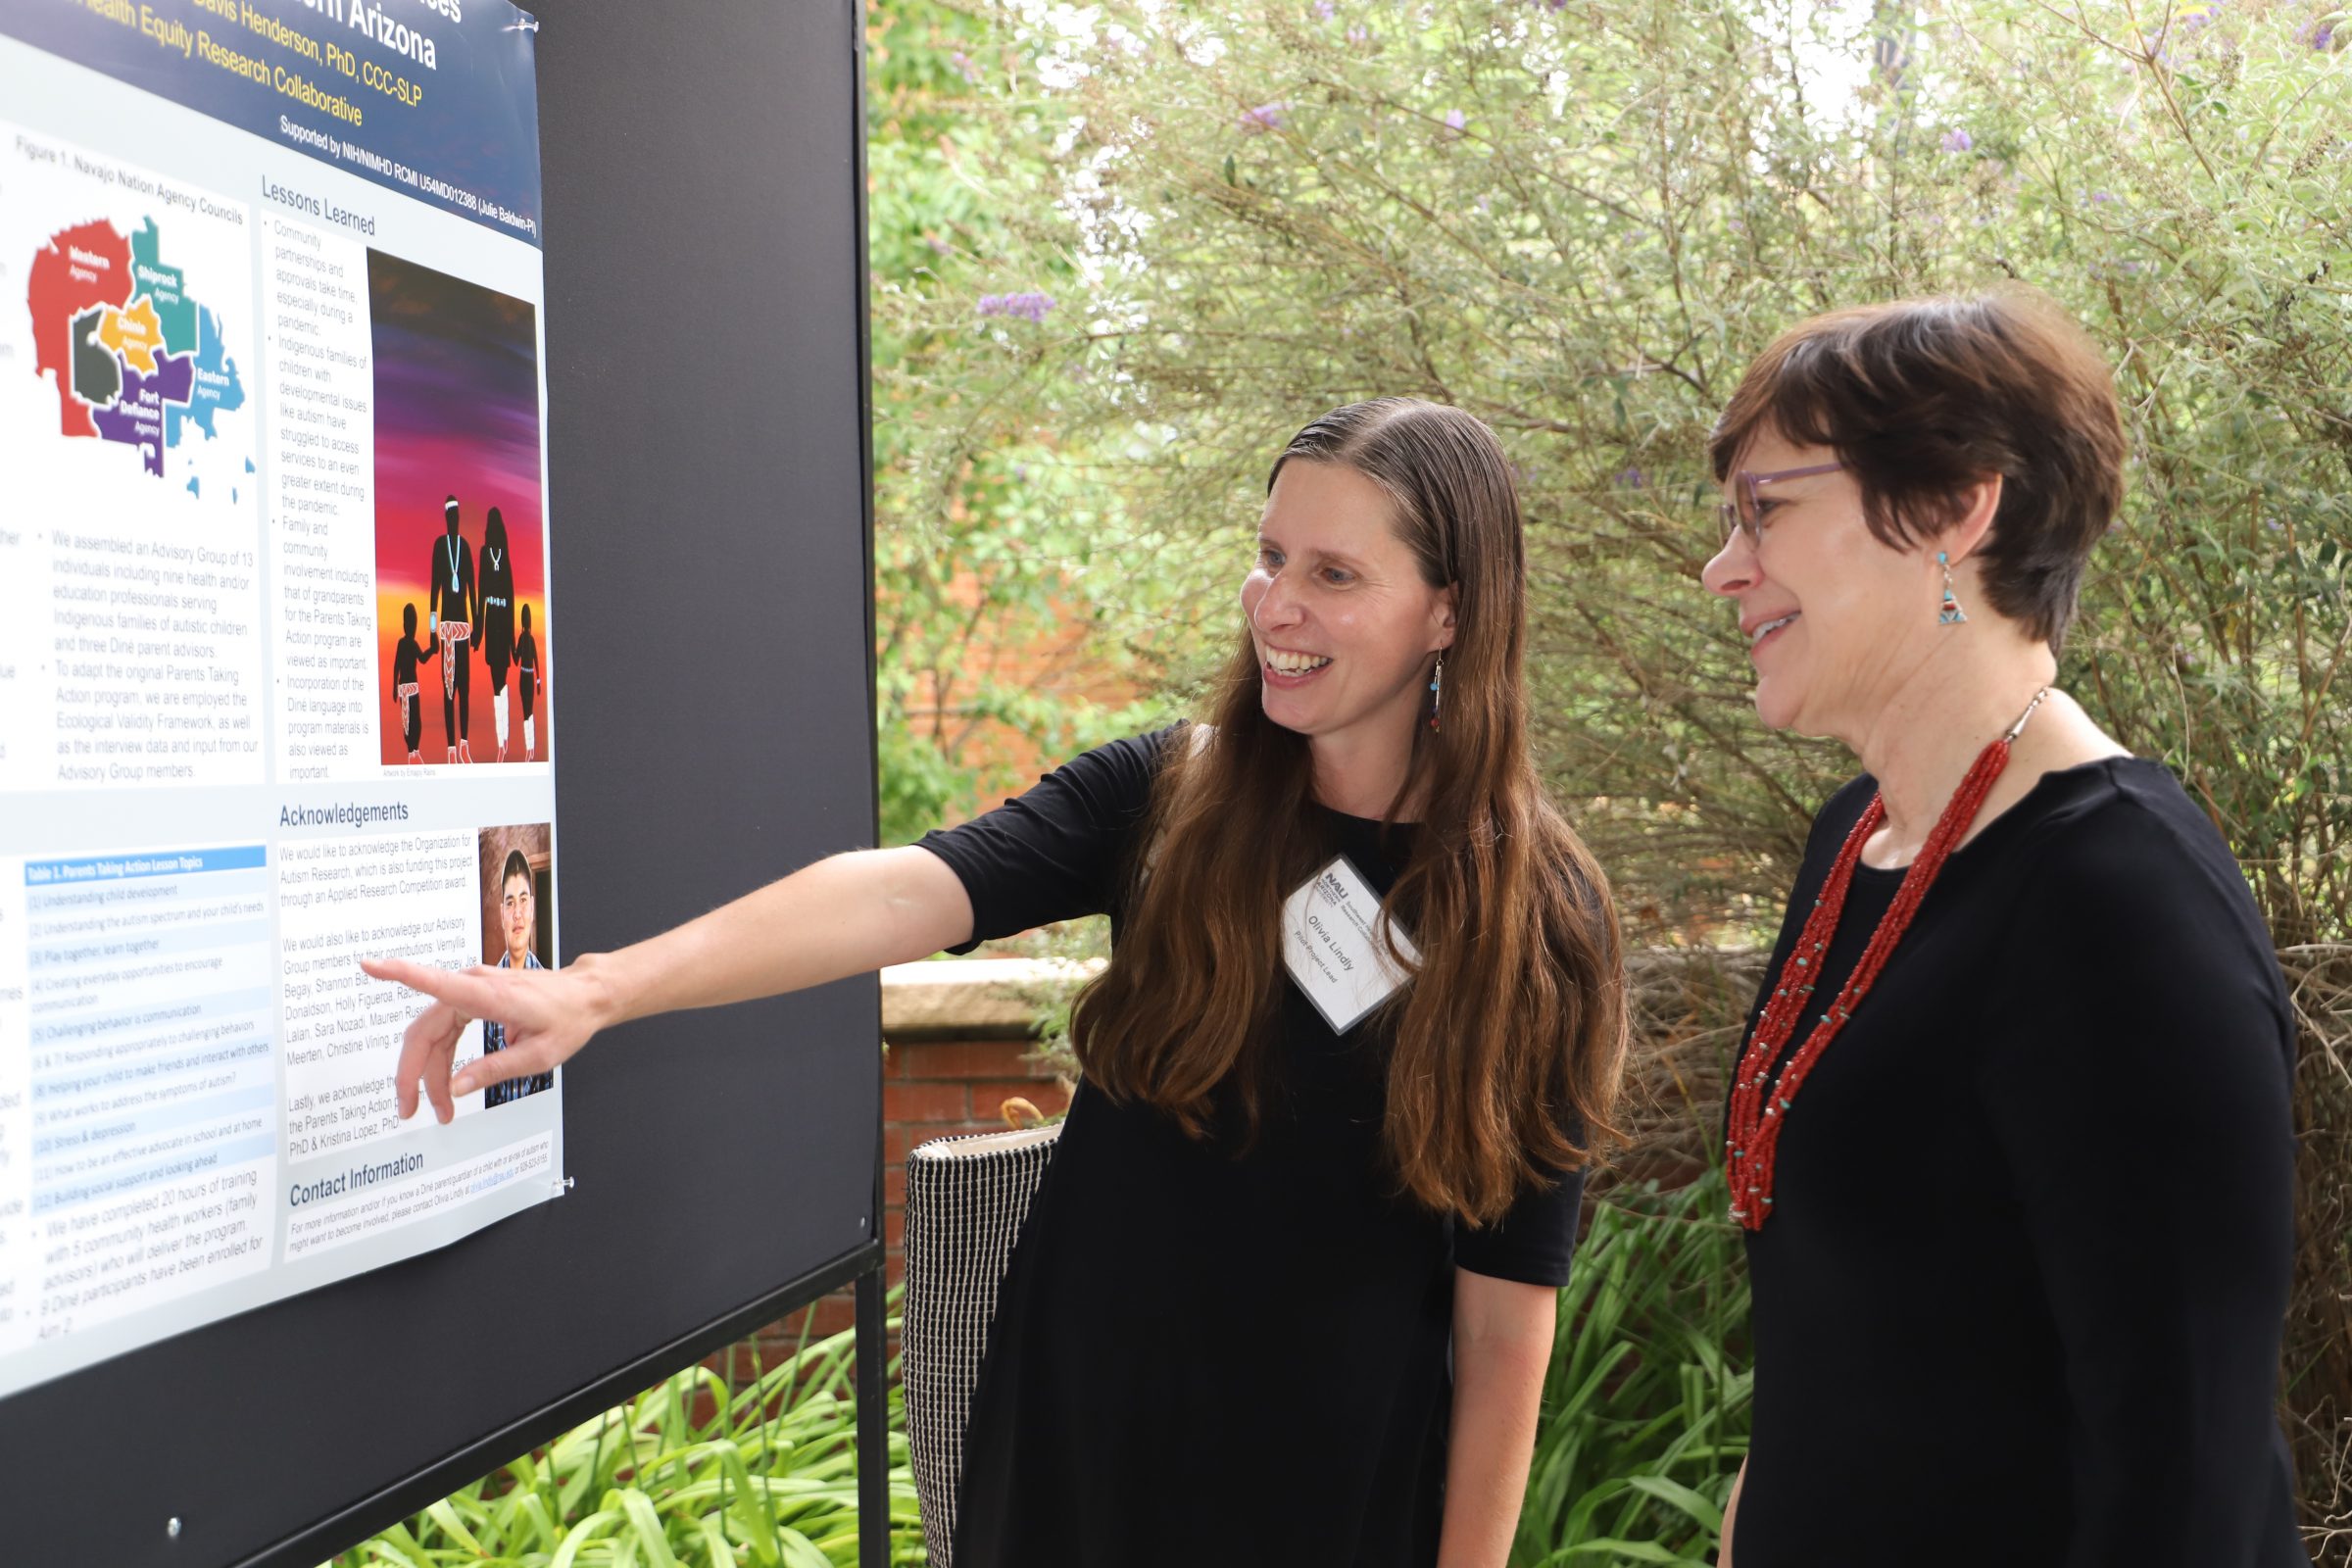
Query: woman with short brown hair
(2008, 1132)
(1286, 1294)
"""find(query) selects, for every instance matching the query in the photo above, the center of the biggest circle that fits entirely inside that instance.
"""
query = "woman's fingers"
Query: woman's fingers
(521, 1059)
(425, 1049)
(541, 1015)
(472, 992)
(442, 1035)
(430, 1042)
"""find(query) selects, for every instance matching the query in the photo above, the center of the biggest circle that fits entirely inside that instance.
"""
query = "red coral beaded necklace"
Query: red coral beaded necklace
(1760, 1107)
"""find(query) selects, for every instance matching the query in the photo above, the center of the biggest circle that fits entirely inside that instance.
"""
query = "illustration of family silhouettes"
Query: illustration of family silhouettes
(467, 609)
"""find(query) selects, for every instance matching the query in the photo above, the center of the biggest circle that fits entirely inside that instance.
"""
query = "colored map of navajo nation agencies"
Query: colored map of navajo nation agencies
(136, 359)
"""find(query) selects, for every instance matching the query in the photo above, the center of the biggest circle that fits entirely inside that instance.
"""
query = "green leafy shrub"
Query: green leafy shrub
(695, 1473)
(992, 546)
(1646, 1407)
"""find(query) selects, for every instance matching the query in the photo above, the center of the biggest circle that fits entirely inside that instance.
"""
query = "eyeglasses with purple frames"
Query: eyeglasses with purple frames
(1751, 489)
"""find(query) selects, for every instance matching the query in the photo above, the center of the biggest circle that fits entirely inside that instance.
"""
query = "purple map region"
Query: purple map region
(137, 416)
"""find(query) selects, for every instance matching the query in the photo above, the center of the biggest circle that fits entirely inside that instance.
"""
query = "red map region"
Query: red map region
(79, 267)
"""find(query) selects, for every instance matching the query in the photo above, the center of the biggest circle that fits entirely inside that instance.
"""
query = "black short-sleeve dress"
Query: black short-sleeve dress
(2021, 1295)
(1204, 1357)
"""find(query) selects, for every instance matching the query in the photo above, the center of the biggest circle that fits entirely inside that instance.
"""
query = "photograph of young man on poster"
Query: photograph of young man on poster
(510, 907)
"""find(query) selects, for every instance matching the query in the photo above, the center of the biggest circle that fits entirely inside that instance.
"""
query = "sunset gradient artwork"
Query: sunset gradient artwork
(456, 413)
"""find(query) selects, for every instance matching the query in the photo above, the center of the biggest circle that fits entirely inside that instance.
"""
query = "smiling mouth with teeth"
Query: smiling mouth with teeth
(1288, 664)
(1771, 626)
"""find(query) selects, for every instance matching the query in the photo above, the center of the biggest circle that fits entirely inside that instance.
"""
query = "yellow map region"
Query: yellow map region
(135, 334)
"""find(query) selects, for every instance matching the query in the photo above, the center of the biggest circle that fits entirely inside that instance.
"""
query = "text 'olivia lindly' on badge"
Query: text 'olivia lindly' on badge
(1332, 950)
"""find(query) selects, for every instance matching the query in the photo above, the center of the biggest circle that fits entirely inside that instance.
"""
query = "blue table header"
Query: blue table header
(126, 868)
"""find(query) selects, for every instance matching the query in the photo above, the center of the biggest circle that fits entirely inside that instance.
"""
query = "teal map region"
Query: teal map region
(135, 357)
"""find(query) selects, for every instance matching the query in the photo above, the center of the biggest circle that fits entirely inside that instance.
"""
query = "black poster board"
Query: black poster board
(709, 462)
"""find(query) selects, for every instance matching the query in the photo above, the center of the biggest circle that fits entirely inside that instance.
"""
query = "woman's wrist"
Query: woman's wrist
(603, 975)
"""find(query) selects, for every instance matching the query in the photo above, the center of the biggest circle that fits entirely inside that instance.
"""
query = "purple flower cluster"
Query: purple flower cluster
(1266, 116)
(1958, 142)
(1456, 120)
(2318, 34)
(1031, 307)
(1325, 10)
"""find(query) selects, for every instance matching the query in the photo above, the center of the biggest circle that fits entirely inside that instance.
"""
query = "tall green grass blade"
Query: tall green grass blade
(800, 1551)
(1628, 1550)
(1702, 1512)
(644, 1524)
(715, 1544)
(577, 1539)
(442, 1514)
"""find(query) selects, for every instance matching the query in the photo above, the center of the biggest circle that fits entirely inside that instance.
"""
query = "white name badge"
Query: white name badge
(1332, 950)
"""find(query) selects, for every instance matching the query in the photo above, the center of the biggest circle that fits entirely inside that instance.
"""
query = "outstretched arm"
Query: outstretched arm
(841, 916)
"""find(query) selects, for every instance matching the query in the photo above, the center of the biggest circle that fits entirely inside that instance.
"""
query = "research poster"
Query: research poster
(278, 645)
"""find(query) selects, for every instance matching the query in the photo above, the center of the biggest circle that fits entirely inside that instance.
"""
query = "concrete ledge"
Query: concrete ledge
(973, 999)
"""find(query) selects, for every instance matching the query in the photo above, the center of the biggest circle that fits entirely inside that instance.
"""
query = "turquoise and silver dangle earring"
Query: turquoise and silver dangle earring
(1437, 693)
(1951, 613)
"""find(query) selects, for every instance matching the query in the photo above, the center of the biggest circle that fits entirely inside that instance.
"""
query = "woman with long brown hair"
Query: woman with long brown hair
(1288, 1292)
